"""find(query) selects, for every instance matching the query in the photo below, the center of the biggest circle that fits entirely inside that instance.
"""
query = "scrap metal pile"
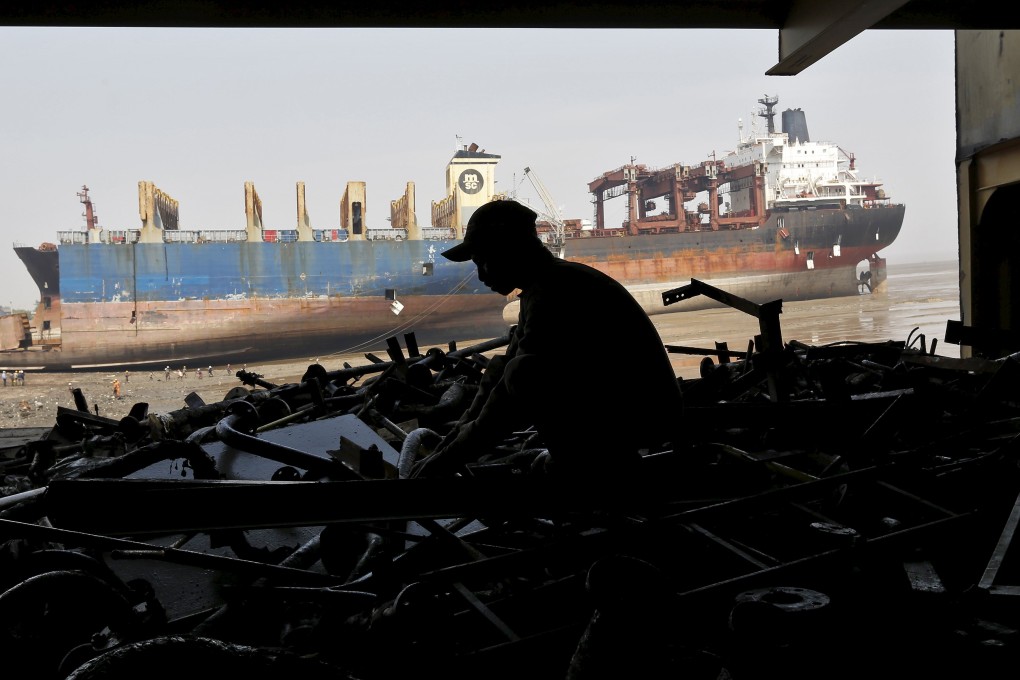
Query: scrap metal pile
(836, 511)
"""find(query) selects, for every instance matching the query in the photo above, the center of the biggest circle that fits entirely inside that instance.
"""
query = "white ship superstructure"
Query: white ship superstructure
(800, 172)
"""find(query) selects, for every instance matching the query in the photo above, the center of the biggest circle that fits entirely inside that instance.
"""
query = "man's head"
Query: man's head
(498, 236)
(494, 227)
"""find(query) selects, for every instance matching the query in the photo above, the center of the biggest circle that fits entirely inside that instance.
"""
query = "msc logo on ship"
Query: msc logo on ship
(471, 181)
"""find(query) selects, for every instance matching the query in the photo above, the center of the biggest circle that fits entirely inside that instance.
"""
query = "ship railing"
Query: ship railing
(179, 236)
(204, 235)
(221, 235)
(885, 202)
(437, 233)
(280, 235)
(330, 235)
(386, 234)
(73, 237)
(114, 236)
(613, 171)
(121, 235)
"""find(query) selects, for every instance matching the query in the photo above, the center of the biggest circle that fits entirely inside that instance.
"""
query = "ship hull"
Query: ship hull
(805, 255)
(196, 332)
(146, 304)
(197, 303)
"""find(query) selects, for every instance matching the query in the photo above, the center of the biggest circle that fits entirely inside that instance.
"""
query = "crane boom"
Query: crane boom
(553, 212)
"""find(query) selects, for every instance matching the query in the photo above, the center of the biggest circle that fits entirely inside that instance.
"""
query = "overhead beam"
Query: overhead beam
(681, 14)
(814, 28)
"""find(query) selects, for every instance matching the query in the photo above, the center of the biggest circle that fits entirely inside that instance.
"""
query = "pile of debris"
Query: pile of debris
(836, 511)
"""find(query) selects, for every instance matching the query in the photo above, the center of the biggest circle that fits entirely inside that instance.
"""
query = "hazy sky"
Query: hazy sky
(200, 111)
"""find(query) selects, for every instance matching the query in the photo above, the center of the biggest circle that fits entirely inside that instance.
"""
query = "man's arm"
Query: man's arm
(480, 426)
(470, 440)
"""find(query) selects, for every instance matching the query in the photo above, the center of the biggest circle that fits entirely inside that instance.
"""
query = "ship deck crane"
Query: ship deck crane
(553, 215)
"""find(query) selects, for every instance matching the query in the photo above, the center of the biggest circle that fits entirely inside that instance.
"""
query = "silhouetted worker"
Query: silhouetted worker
(585, 365)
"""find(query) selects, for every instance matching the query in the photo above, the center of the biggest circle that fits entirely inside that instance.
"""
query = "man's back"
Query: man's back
(605, 361)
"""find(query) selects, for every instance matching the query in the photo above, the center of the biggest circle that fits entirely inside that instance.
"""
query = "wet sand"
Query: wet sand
(35, 404)
(916, 296)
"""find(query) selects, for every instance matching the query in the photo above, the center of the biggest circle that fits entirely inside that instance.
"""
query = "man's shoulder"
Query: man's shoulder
(584, 274)
(569, 267)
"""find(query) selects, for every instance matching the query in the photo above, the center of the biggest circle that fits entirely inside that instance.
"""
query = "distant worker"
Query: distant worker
(210, 371)
(198, 372)
(3, 376)
(573, 324)
(116, 389)
(166, 373)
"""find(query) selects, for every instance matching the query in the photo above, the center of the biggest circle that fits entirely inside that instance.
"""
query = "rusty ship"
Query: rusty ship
(780, 217)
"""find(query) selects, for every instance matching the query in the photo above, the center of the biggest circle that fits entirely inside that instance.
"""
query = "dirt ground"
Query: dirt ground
(35, 403)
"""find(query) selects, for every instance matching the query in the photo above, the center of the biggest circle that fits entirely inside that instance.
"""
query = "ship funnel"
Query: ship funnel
(795, 125)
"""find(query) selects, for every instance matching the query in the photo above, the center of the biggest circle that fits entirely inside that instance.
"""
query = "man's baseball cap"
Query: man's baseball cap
(494, 224)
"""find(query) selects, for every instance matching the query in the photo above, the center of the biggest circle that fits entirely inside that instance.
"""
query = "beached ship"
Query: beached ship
(780, 217)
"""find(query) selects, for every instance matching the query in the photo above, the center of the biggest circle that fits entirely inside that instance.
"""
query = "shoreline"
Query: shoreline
(35, 403)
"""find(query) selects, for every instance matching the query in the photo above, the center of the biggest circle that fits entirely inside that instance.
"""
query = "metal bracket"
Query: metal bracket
(770, 341)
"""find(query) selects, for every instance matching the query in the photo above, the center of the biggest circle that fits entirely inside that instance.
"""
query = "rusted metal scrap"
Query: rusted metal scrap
(854, 496)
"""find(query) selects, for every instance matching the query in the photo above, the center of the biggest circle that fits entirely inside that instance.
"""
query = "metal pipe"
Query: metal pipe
(374, 546)
(429, 357)
(305, 555)
(120, 548)
(242, 413)
(15, 498)
(228, 433)
(296, 415)
(200, 435)
(388, 424)
(203, 465)
(71, 585)
(409, 450)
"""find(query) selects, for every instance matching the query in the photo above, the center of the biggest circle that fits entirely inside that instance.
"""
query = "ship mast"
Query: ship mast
(90, 214)
(767, 113)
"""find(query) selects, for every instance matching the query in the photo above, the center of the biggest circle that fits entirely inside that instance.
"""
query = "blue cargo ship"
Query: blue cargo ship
(160, 294)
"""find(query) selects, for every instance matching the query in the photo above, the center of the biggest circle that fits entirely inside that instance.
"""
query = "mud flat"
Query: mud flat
(35, 403)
